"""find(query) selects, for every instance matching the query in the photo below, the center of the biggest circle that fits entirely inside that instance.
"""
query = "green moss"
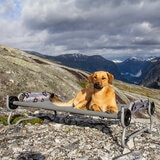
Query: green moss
(68, 130)
(3, 120)
(83, 84)
(16, 118)
(34, 121)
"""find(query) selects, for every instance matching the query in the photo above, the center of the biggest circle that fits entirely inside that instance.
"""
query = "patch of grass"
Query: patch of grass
(68, 130)
(3, 120)
(33, 121)
(83, 84)
(16, 118)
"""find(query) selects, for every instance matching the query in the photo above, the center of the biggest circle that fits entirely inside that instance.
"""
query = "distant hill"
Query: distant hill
(134, 69)
(85, 63)
(20, 71)
(88, 63)
(152, 78)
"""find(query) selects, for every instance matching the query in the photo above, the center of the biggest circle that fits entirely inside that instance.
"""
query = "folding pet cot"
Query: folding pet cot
(41, 100)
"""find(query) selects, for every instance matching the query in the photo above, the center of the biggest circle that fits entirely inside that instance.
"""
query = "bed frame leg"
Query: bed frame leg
(9, 118)
(123, 137)
(125, 121)
(151, 110)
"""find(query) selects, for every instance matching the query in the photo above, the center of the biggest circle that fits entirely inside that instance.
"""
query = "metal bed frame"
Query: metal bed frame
(124, 115)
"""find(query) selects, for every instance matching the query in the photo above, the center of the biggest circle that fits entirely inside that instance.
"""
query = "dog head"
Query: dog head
(100, 79)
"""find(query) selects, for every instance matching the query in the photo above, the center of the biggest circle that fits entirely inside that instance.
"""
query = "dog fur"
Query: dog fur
(99, 96)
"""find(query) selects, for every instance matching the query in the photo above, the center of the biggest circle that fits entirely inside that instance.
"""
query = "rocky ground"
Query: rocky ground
(75, 137)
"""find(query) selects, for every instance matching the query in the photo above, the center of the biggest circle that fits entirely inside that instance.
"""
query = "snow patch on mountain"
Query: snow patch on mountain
(117, 61)
(138, 74)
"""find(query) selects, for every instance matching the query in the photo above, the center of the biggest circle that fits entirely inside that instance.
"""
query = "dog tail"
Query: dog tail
(56, 101)
(64, 104)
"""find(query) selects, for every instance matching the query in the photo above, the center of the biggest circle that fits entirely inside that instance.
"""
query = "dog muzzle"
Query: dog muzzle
(97, 86)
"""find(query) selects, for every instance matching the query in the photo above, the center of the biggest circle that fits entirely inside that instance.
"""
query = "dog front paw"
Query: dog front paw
(111, 111)
(95, 107)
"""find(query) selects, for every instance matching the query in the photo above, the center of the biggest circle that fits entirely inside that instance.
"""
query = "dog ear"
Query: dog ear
(90, 78)
(110, 77)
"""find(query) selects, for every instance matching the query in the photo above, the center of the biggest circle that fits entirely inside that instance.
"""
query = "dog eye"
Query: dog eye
(103, 78)
(95, 77)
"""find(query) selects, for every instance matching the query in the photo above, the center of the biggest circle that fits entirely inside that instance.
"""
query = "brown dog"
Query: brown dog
(99, 96)
(103, 97)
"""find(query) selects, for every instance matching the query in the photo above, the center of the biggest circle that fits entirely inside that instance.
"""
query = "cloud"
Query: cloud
(85, 26)
(6, 6)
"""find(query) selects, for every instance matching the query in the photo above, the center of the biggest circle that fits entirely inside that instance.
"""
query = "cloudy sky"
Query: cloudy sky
(111, 28)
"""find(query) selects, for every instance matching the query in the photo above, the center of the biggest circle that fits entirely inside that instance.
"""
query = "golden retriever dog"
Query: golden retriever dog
(99, 96)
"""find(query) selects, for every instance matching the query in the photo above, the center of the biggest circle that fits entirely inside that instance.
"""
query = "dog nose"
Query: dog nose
(97, 85)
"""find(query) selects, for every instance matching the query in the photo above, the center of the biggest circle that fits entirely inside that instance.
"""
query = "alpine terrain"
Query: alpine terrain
(68, 136)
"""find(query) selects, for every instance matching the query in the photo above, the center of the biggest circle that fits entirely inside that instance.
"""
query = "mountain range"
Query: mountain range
(133, 70)
(88, 63)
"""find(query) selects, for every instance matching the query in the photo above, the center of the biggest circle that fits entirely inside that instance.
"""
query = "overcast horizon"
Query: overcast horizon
(111, 28)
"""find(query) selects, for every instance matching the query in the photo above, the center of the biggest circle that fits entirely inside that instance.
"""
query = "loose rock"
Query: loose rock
(76, 137)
